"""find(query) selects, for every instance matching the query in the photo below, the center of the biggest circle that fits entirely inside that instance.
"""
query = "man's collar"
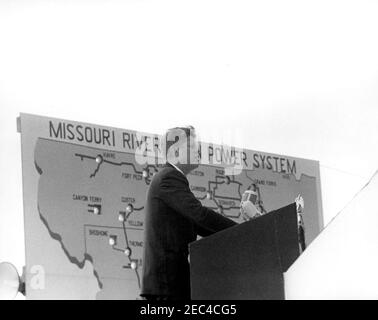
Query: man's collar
(177, 168)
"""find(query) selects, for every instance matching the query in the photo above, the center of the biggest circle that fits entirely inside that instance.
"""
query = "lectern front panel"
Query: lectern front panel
(240, 263)
(246, 262)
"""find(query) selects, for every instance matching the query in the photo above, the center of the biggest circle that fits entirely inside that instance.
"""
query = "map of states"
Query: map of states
(92, 202)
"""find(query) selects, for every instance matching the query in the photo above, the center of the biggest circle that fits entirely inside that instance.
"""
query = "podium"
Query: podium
(247, 261)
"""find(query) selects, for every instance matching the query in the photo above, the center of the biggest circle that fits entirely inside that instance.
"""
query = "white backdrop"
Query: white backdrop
(289, 77)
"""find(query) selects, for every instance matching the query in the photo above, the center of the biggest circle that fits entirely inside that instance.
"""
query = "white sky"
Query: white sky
(291, 77)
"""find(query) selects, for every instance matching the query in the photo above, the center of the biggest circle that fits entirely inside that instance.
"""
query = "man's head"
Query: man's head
(182, 148)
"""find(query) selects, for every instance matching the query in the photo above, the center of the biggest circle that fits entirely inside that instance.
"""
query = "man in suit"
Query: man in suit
(174, 218)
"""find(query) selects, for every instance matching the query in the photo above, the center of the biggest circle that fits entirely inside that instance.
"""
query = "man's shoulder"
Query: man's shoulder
(169, 173)
(165, 170)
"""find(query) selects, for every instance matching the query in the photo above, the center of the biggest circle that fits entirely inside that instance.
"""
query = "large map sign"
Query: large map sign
(84, 196)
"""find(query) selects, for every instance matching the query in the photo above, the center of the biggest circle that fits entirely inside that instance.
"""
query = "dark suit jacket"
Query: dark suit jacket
(174, 218)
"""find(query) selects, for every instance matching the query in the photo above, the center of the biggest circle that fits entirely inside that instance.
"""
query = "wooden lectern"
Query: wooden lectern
(246, 261)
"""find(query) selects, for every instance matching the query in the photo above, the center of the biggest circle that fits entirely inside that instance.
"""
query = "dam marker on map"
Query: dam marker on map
(95, 209)
(129, 208)
(128, 252)
(112, 240)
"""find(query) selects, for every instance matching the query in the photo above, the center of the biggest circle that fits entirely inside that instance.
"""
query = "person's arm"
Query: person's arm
(175, 192)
